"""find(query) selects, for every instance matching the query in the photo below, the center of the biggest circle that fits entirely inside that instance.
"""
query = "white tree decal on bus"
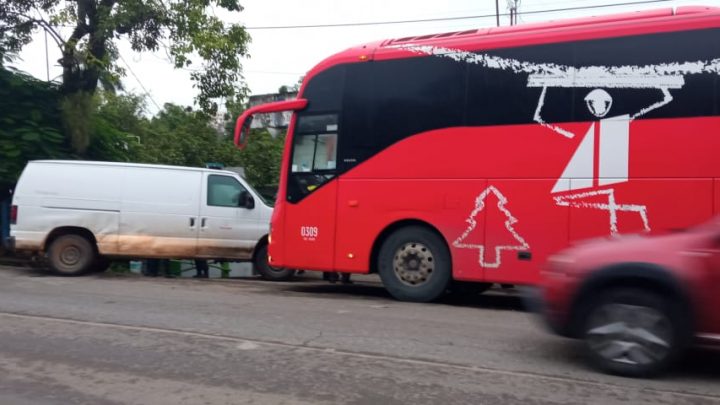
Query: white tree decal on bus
(472, 224)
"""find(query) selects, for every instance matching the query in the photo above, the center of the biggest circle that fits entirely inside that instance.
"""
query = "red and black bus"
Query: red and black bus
(471, 156)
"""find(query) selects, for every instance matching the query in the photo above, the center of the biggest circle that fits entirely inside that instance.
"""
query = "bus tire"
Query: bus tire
(268, 272)
(71, 255)
(414, 264)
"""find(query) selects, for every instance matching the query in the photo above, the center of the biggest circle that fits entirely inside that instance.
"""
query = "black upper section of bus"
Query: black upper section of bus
(382, 102)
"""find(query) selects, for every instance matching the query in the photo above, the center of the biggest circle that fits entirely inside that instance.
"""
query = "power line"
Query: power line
(147, 93)
(360, 24)
(494, 15)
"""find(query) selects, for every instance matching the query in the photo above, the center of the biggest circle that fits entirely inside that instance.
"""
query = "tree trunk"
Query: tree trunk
(81, 73)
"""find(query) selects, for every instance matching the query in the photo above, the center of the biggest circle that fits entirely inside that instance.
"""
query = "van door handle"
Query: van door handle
(203, 222)
(192, 222)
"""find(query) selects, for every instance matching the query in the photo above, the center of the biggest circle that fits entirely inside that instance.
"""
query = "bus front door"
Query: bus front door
(312, 195)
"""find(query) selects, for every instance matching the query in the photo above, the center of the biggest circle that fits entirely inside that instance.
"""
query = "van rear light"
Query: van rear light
(13, 214)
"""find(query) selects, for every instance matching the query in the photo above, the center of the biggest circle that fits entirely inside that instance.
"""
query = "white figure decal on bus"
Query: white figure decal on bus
(593, 169)
(472, 223)
(584, 180)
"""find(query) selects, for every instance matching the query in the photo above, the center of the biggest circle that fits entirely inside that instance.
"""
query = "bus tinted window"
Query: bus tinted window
(324, 91)
(417, 95)
(358, 140)
(317, 123)
(389, 101)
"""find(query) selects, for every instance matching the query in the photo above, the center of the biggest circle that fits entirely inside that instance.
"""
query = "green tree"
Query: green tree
(187, 29)
(118, 125)
(261, 158)
(183, 136)
(30, 123)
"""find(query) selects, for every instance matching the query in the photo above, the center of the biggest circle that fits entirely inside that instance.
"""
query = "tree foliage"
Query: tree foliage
(30, 123)
(182, 136)
(261, 158)
(32, 127)
(193, 37)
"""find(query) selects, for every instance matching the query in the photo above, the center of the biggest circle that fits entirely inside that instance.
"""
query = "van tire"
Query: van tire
(414, 264)
(267, 271)
(71, 255)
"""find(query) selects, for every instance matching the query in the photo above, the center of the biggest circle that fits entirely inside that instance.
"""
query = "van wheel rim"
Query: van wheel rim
(630, 334)
(70, 256)
(413, 264)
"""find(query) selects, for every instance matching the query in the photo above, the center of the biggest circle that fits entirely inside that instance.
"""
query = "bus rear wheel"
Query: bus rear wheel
(414, 264)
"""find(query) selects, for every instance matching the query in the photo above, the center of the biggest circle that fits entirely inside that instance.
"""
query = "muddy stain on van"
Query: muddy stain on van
(177, 248)
(156, 246)
(210, 250)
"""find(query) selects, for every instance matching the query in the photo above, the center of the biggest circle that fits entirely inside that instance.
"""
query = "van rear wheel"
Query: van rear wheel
(414, 265)
(267, 271)
(71, 255)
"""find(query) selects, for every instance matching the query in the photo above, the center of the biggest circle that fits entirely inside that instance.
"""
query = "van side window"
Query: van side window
(223, 191)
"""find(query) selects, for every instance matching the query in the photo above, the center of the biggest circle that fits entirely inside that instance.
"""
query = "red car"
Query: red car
(637, 302)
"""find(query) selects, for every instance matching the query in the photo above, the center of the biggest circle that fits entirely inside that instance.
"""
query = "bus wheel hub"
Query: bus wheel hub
(413, 263)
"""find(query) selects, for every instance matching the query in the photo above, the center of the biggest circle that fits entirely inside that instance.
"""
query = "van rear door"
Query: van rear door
(228, 228)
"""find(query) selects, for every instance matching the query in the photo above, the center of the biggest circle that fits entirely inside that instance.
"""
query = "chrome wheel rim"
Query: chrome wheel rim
(629, 334)
(413, 264)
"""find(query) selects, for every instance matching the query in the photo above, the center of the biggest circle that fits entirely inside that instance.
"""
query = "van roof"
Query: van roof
(126, 164)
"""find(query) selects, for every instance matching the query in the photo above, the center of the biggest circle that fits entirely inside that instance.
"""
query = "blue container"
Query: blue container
(4, 219)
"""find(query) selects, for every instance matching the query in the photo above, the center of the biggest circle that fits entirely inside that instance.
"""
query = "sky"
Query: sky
(281, 56)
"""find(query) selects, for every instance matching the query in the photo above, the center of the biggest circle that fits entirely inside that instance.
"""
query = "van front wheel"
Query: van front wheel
(71, 255)
(267, 271)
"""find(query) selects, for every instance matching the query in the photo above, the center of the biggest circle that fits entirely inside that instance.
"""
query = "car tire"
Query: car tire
(414, 265)
(71, 255)
(267, 271)
(634, 332)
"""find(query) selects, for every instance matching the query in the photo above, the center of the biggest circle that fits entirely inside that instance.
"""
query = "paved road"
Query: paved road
(129, 340)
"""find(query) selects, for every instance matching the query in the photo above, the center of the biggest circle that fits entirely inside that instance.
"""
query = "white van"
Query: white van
(78, 214)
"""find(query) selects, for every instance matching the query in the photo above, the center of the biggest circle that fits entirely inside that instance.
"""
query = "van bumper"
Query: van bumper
(9, 243)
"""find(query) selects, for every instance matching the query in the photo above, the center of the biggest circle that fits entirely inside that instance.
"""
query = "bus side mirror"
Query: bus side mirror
(243, 123)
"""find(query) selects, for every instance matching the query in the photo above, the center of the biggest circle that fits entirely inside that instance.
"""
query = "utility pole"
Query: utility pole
(47, 58)
(513, 6)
